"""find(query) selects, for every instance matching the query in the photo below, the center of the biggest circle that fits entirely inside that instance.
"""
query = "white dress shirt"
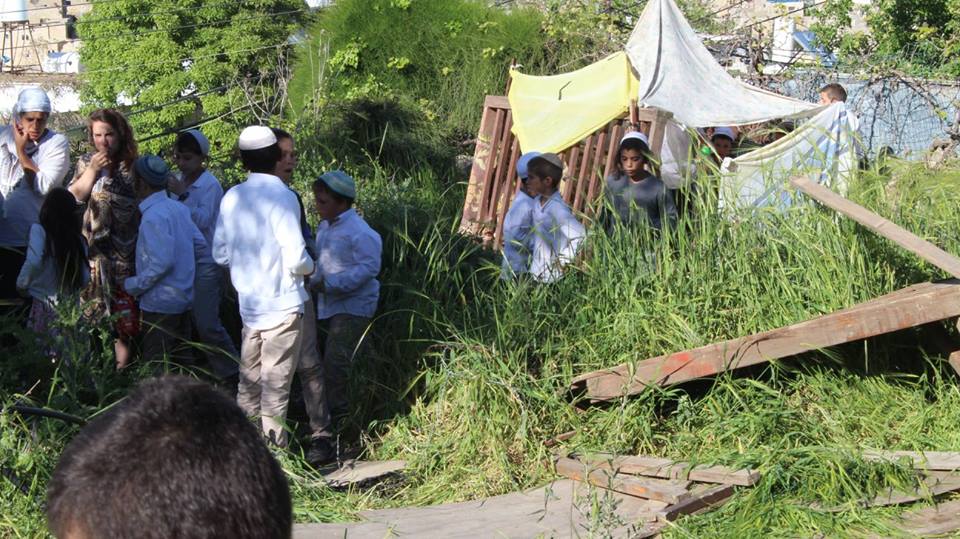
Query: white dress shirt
(258, 237)
(348, 262)
(202, 198)
(168, 244)
(39, 275)
(556, 237)
(517, 240)
(21, 199)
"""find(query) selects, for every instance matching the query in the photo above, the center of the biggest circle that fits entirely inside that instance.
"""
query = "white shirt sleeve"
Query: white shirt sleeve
(286, 224)
(155, 246)
(221, 255)
(204, 214)
(367, 249)
(570, 232)
(33, 265)
(53, 160)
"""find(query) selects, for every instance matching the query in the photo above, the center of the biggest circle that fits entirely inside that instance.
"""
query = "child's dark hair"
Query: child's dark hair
(542, 168)
(322, 185)
(187, 143)
(636, 145)
(176, 458)
(262, 160)
(281, 134)
(58, 217)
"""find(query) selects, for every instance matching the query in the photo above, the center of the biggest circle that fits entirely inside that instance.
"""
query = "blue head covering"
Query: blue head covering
(523, 162)
(32, 100)
(152, 170)
(340, 182)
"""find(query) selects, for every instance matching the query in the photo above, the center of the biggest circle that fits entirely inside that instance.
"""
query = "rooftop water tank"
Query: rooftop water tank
(13, 11)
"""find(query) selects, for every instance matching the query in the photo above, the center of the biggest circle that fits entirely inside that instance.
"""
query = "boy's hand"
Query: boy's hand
(176, 186)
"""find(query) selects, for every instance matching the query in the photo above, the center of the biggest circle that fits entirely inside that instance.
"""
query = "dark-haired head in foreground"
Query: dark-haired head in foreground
(176, 458)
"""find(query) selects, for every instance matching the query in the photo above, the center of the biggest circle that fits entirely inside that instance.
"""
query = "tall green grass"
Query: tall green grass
(468, 375)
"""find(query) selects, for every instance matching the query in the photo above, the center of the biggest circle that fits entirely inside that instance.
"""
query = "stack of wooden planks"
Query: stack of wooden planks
(672, 488)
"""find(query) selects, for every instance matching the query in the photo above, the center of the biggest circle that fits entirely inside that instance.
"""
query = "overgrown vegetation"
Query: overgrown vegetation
(468, 375)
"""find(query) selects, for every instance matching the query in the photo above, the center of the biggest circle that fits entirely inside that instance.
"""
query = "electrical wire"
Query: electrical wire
(155, 30)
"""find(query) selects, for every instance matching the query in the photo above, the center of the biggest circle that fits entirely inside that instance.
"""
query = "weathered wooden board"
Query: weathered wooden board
(931, 521)
(919, 304)
(561, 509)
(670, 469)
(932, 484)
(702, 499)
(358, 471)
(893, 232)
(923, 460)
(669, 491)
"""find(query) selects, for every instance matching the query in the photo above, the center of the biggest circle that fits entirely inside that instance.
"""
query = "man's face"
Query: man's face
(288, 160)
(34, 124)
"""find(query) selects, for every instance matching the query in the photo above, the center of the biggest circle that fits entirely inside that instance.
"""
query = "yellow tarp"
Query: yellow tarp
(553, 113)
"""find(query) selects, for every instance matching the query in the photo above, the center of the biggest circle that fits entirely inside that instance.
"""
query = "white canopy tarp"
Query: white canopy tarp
(677, 73)
(823, 148)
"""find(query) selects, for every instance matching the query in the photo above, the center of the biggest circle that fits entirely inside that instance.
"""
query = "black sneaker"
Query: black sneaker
(321, 452)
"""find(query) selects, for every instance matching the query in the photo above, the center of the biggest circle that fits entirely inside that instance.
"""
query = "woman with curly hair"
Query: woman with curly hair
(104, 182)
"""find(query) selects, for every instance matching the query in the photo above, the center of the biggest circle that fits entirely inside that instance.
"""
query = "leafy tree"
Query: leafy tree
(182, 62)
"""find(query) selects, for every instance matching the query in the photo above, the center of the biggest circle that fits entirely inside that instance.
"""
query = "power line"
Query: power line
(155, 30)
(768, 19)
(181, 61)
(203, 121)
(40, 8)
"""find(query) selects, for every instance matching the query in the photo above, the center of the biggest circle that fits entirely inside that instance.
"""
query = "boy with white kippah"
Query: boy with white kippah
(258, 238)
(556, 231)
(517, 241)
(722, 141)
(634, 195)
(168, 245)
(348, 261)
(200, 192)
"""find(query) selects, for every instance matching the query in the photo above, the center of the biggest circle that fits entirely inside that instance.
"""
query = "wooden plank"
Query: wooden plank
(930, 521)
(893, 312)
(932, 484)
(497, 102)
(502, 174)
(909, 241)
(359, 471)
(596, 175)
(570, 170)
(471, 204)
(702, 500)
(670, 491)
(954, 361)
(490, 170)
(509, 191)
(658, 127)
(613, 146)
(583, 176)
(563, 508)
(670, 469)
(922, 460)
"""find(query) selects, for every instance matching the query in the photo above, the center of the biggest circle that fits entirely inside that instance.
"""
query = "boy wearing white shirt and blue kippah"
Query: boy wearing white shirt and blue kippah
(349, 255)
(258, 237)
(517, 240)
(168, 245)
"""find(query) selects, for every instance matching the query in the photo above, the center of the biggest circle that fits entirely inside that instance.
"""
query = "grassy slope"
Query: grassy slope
(468, 374)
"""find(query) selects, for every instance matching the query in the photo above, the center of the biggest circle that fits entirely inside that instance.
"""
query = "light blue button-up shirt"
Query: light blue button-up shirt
(349, 253)
(556, 237)
(168, 245)
(517, 240)
(202, 198)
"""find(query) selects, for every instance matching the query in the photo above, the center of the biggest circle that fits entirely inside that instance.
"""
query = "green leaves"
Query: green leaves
(151, 55)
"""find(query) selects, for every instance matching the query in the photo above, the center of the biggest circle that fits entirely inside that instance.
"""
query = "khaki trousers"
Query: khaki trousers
(268, 359)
